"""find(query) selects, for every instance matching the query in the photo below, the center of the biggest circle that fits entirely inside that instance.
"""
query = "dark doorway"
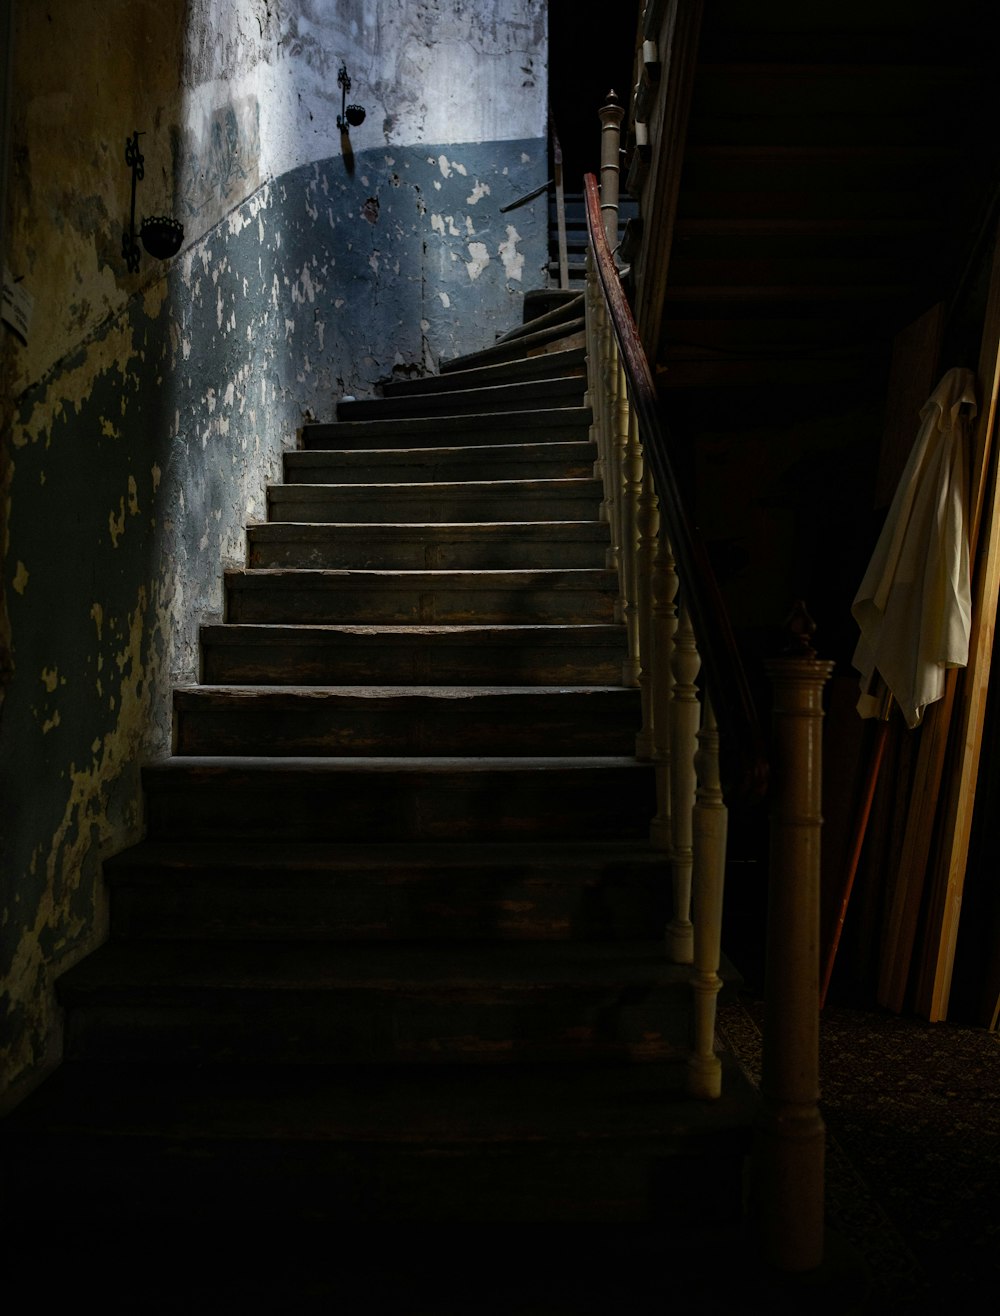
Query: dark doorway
(591, 51)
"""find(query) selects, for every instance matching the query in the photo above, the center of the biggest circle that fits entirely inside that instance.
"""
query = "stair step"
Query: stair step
(428, 655)
(467, 500)
(559, 317)
(414, 546)
(506, 461)
(399, 799)
(322, 1002)
(462, 431)
(542, 302)
(444, 720)
(576, 210)
(576, 265)
(525, 395)
(546, 365)
(286, 595)
(380, 891)
(564, 336)
(429, 1144)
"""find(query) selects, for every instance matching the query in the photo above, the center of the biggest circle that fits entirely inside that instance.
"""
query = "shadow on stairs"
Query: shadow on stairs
(391, 951)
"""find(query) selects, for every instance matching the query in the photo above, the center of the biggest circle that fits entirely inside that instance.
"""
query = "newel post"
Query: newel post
(611, 114)
(786, 1207)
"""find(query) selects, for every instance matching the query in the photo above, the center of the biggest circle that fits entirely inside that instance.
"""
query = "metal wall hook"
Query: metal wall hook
(160, 235)
(134, 159)
(350, 116)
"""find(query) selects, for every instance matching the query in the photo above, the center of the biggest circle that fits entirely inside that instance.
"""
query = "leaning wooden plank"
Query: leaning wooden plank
(901, 930)
(948, 881)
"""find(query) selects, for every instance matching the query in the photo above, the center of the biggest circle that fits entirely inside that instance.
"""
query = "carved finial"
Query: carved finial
(800, 628)
(612, 98)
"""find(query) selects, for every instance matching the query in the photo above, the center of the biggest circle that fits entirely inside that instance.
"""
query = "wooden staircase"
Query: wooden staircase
(392, 949)
(576, 235)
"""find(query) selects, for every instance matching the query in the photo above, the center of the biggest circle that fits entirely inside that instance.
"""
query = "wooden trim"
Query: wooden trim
(677, 38)
(744, 758)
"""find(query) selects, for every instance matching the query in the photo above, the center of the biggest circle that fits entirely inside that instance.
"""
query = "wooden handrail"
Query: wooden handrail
(744, 759)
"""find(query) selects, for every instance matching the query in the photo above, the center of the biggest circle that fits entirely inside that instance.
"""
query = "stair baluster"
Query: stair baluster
(631, 487)
(648, 526)
(612, 443)
(685, 719)
(594, 396)
(633, 545)
(709, 844)
(664, 591)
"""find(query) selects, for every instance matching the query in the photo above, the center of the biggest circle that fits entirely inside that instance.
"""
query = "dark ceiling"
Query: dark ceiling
(591, 49)
(839, 169)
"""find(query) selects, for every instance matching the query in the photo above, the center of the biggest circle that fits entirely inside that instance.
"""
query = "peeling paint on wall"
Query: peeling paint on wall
(153, 410)
(479, 258)
(157, 442)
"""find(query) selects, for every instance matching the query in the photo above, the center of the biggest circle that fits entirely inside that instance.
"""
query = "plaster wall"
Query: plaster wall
(146, 413)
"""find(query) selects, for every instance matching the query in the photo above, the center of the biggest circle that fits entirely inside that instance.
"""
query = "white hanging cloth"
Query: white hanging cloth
(914, 606)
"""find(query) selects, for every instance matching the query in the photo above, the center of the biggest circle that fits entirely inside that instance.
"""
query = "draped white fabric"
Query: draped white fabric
(914, 605)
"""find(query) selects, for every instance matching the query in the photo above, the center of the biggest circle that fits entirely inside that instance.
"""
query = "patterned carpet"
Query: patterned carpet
(913, 1155)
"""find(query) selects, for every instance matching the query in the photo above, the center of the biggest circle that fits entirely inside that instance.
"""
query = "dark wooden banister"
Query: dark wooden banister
(744, 759)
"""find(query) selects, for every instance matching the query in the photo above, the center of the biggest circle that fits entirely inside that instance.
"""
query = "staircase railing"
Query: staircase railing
(700, 728)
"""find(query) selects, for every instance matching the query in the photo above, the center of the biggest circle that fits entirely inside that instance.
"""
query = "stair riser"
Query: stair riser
(401, 805)
(578, 500)
(281, 545)
(438, 660)
(284, 602)
(358, 1026)
(558, 425)
(530, 396)
(405, 906)
(479, 1183)
(397, 727)
(569, 461)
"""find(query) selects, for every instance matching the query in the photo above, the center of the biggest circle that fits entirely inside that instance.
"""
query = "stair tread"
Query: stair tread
(548, 365)
(543, 484)
(261, 765)
(434, 856)
(540, 417)
(448, 1104)
(473, 630)
(551, 322)
(397, 693)
(358, 456)
(514, 347)
(121, 968)
(429, 577)
(461, 400)
(493, 529)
